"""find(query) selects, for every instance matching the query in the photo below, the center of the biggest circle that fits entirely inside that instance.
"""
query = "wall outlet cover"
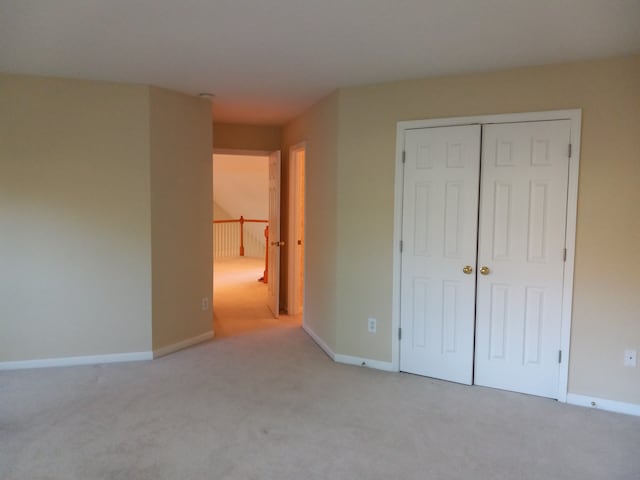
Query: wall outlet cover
(372, 325)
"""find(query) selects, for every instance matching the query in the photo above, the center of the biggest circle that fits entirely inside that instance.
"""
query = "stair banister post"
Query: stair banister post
(266, 255)
(241, 236)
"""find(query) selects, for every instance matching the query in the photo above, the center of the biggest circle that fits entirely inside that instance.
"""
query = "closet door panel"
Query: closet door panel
(521, 240)
(440, 207)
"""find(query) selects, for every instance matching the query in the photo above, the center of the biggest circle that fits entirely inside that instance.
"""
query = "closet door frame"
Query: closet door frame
(575, 118)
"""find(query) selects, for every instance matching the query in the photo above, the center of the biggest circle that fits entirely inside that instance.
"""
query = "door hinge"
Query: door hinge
(400, 333)
(569, 150)
(401, 245)
(559, 356)
(404, 156)
(564, 254)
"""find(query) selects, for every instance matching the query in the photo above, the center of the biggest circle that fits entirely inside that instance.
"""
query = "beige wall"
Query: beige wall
(181, 215)
(75, 251)
(246, 137)
(607, 285)
(105, 214)
(319, 128)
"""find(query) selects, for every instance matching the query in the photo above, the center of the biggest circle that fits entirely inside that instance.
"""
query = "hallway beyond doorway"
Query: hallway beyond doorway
(240, 299)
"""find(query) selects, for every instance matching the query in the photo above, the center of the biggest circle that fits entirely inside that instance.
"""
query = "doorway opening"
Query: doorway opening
(246, 241)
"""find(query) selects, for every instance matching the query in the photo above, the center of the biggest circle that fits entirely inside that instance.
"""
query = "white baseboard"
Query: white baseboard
(321, 343)
(347, 359)
(365, 362)
(174, 347)
(73, 361)
(604, 404)
(109, 358)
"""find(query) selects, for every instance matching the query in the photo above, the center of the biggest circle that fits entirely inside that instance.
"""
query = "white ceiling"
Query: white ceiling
(267, 60)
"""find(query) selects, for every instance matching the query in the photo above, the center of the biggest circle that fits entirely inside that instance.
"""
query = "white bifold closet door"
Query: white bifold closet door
(521, 241)
(439, 235)
(481, 285)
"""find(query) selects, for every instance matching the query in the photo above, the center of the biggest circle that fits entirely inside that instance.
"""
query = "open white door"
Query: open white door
(273, 270)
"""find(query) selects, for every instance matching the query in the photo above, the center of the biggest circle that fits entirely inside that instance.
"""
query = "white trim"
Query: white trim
(498, 118)
(348, 359)
(574, 116)
(241, 152)
(604, 404)
(75, 361)
(397, 236)
(365, 362)
(294, 169)
(174, 347)
(570, 245)
(321, 343)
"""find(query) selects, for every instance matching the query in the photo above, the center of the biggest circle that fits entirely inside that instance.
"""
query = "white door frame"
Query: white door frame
(292, 257)
(575, 118)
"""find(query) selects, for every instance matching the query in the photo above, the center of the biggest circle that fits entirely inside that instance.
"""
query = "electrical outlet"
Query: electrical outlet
(205, 303)
(630, 358)
(372, 325)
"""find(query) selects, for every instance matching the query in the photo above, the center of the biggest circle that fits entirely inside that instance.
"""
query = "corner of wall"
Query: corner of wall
(181, 215)
(74, 220)
(318, 127)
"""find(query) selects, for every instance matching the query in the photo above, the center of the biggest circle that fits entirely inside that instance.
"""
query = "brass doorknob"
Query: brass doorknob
(485, 271)
(278, 244)
(468, 270)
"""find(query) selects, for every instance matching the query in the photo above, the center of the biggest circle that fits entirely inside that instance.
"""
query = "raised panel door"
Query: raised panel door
(521, 240)
(440, 205)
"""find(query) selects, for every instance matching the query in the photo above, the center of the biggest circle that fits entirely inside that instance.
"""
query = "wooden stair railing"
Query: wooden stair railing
(241, 221)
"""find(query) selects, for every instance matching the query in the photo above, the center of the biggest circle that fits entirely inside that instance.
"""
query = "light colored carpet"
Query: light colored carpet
(268, 404)
(240, 300)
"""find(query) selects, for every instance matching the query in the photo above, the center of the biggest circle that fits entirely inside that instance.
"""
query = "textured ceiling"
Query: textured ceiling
(268, 60)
